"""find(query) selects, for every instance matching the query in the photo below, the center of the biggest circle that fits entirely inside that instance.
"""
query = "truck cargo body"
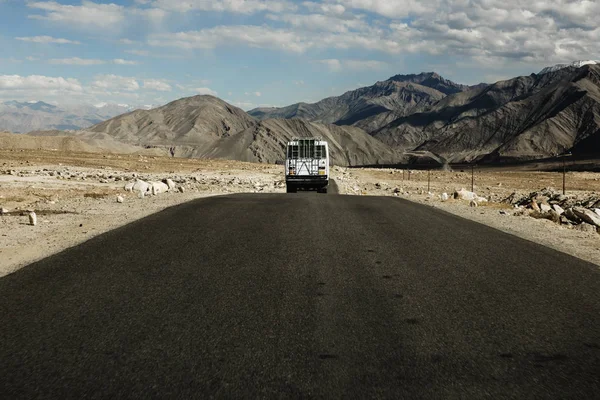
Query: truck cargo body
(307, 165)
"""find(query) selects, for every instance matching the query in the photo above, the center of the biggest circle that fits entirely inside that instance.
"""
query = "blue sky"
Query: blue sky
(255, 53)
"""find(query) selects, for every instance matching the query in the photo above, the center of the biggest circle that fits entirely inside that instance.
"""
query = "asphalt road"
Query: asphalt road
(302, 295)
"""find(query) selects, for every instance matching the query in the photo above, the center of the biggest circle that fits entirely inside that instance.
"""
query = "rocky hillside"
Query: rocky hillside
(208, 127)
(372, 107)
(526, 117)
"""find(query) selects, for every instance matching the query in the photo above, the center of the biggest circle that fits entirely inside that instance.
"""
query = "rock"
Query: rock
(559, 210)
(141, 186)
(181, 189)
(597, 211)
(396, 190)
(481, 199)
(3, 211)
(464, 194)
(120, 199)
(534, 206)
(587, 215)
(170, 183)
(564, 220)
(32, 218)
(444, 197)
(158, 187)
(129, 186)
(571, 216)
(545, 207)
(585, 227)
(550, 215)
(473, 203)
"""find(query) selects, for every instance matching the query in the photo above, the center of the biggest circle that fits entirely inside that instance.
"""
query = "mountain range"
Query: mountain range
(527, 117)
(29, 116)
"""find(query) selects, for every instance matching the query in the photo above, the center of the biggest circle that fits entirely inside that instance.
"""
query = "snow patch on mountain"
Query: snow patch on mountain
(574, 64)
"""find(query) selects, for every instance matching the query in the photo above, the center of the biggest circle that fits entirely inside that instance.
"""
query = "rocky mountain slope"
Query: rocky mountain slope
(208, 127)
(372, 107)
(526, 117)
(29, 116)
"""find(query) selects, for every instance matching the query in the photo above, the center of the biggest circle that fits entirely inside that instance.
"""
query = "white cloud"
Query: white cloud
(115, 82)
(88, 14)
(257, 94)
(395, 8)
(120, 61)
(204, 90)
(39, 82)
(365, 64)
(46, 40)
(334, 9)
(76, 61)
(252, 36)
(155, 15)
(233, 6)
(143, 53)
(336, 65)
(127, 41)
(331, 63)
(157, 84)
(299, 83)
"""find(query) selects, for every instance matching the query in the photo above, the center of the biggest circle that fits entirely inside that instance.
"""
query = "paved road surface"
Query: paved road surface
(302, 295)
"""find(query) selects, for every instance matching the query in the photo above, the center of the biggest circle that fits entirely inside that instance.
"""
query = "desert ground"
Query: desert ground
(77, 196)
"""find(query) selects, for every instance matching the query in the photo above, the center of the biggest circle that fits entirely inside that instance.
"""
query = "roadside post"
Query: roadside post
(564, 172)
(428, 180)
(472, 177)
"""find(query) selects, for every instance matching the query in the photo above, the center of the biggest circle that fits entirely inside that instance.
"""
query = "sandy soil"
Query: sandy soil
(75, 197)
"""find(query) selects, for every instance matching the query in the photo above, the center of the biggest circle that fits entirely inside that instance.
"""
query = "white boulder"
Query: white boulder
(129, 186)
(464, 194)
(32, 218)
(158, 187)
(444, 197)
(545, 207)
(559, 210)
(141, 186)
(120, 199)
(170, 184)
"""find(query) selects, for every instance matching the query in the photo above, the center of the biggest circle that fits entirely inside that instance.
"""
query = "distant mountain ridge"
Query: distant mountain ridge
(574, 64)
(527, 117)
(371, 107)
(21, 117)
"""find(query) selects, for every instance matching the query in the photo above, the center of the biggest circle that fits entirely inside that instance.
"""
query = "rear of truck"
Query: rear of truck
(307, 165)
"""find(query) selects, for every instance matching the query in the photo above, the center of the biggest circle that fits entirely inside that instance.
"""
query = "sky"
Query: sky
(255, 53)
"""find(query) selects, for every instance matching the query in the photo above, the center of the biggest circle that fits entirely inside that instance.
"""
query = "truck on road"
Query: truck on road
(307, 165)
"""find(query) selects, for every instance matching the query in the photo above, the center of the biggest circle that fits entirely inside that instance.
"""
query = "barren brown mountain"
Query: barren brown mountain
(372, 107)
(527, 117)
(207, 127)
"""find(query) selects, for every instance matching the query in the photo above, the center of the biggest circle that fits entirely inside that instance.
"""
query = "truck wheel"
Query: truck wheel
(290, 189)
(322, 190)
